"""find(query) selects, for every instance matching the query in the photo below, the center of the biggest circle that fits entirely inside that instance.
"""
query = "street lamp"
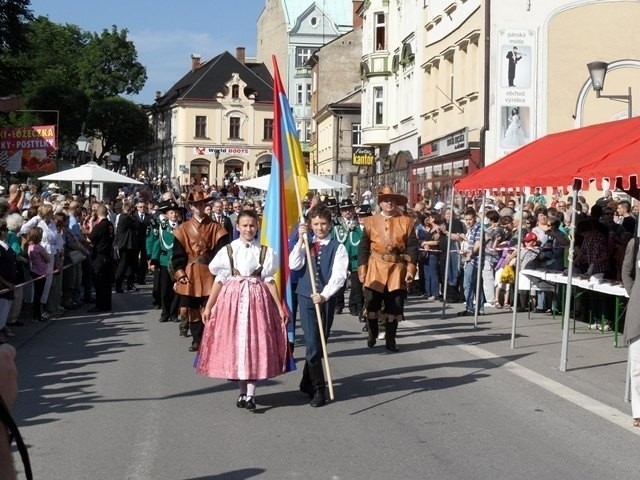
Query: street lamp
(83, 146)
(597, 71)
(216, 153)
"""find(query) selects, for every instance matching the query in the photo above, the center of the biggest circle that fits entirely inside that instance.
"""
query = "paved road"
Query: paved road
(115, 397)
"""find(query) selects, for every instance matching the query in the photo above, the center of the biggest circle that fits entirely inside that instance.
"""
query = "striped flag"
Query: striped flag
(282, 202)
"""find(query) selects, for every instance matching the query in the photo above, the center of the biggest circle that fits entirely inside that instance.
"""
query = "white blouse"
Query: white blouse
(246, 259)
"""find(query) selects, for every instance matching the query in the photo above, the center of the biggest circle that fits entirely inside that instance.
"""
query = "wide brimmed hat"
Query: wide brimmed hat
(53, 186)
(331, 202)
(346, 203)
(167, 205)
(386, 194)
(198, 194)
(364, 210)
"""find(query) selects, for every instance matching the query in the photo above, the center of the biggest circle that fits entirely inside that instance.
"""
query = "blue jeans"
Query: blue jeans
(431, 272)
(470, 276)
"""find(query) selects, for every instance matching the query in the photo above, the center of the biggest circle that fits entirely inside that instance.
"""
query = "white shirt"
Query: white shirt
(246, 259)
(298, 258)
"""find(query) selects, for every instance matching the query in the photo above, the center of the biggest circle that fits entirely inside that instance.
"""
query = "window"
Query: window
(299, 90)
(299, 129)
(302, 55)
(379, 36)
(308, 88)
(267, 133)
(201, 126)
(378, 106)
(307, 131)
(235, 91)
(234, 127)
(356, 134)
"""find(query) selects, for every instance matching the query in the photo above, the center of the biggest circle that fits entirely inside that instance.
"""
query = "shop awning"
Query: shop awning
(604, 151)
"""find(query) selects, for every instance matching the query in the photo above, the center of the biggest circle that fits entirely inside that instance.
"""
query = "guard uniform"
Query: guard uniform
(160, 247)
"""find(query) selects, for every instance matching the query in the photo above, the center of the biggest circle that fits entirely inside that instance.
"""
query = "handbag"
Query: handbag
(508, 274)
(76, 256)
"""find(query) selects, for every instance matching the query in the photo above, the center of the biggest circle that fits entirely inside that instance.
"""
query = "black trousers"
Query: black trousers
(167, 297)
(155, 292)
(102, 278)
(126, 267)
(356, 298)
(142, 265)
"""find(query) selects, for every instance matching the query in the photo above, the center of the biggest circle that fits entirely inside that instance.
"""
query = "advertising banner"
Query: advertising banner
(363, 156)
(28, 149)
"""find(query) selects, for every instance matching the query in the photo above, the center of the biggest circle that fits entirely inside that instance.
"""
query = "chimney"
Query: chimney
(195, 61)
(357, 18)
(158, 94)
(240, 54)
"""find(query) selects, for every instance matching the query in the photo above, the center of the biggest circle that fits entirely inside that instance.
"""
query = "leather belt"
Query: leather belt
(202, 259)
(392, 258)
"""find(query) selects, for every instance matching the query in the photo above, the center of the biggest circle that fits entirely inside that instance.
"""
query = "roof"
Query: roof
(210, 79)
(607, 150)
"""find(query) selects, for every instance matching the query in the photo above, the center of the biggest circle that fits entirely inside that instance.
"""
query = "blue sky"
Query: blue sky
(165, 32)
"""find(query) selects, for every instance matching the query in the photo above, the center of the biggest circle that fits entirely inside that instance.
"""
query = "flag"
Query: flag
(282, 202)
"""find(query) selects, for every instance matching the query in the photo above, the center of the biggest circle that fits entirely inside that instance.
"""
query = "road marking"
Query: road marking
(606, 412)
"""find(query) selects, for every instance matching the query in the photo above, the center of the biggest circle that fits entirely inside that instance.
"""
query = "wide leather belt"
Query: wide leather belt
(202, 259)
(392, 258)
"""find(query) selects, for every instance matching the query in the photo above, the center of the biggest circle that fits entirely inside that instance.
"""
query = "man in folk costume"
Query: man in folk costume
(343, 225)
(387, 261)
(160, 248)
(196, 242)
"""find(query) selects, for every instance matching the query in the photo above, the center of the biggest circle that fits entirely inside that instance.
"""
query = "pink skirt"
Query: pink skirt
(245, 338)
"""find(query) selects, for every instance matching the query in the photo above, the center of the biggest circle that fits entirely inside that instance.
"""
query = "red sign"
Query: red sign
(28, 149)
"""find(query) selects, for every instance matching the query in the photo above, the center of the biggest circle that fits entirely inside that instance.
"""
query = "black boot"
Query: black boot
(196, 335)
(373, 332)
(305, 384)
(319, 385)
(390, 338)
(183, 328)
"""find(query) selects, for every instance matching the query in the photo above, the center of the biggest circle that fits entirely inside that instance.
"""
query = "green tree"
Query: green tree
(109, 65)
(72, 104)
(14, 16)
(121, 125)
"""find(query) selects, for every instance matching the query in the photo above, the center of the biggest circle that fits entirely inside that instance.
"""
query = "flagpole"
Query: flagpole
(314, 290)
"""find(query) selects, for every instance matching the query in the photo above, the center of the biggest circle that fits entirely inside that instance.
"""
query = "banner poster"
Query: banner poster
(28, 149)
(516, 53)
(363, 156)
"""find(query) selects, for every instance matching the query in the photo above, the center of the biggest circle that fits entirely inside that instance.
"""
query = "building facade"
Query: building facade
(292, 30)
(335, 106)
(214, 124)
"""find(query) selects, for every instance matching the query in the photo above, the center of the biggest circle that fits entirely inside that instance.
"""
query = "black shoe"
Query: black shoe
(251, 403)
(132, 288)
(96, 310)
(194, 347)
(242, 401)
(365, 328)
(119, 290)
(339, 310)
(157, 307)
(163, 319)
(319, 398)
(142, 282)
(465, 313)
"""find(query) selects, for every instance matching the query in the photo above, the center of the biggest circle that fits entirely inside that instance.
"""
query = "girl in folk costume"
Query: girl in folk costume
(245, 335)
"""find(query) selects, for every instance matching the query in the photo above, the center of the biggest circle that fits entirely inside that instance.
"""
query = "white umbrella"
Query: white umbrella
(89, 172)
(316, 182)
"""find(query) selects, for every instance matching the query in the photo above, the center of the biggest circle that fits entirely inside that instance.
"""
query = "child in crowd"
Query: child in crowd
(330, 274)
(38, 261)
(245, 334)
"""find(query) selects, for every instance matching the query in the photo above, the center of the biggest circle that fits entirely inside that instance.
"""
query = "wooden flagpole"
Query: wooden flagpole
(311, 267)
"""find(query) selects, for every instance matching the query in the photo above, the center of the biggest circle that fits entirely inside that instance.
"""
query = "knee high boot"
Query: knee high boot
(319, 385)
(196, 335)
(390, 339)
(305, 384)
(373, 332)
(183, 328)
